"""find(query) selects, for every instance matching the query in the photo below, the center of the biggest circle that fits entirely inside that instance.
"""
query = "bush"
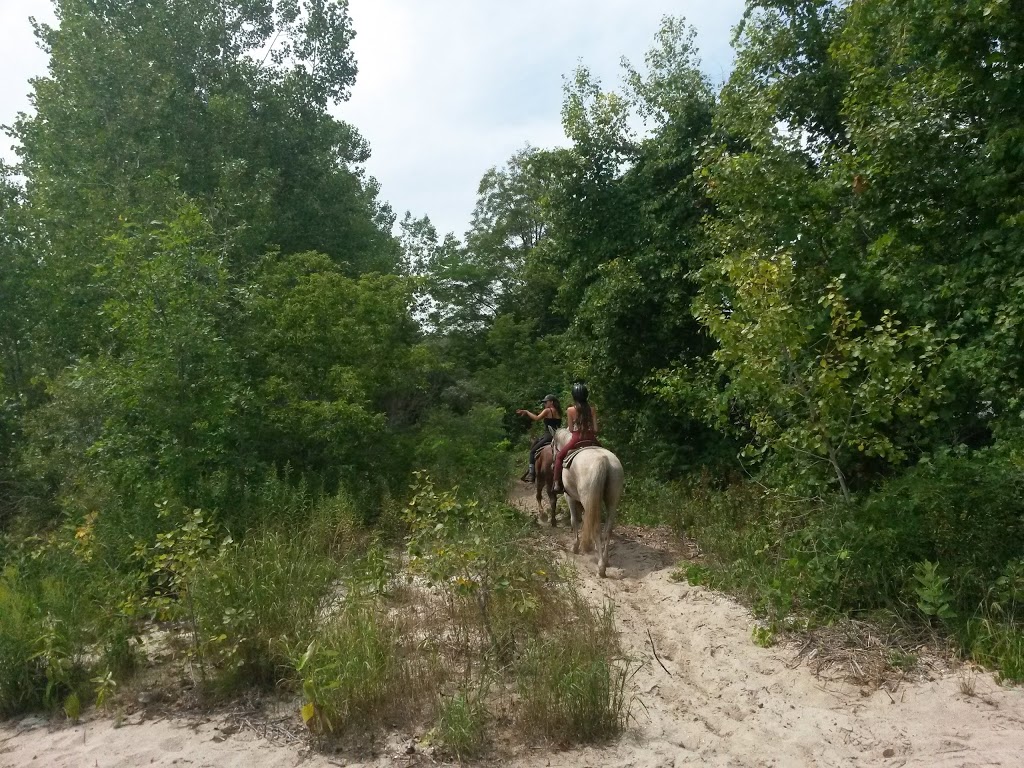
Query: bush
(353, 674)
(62, 625)
(965, 513)
(497, 584)
(256, 601)
(571, 683)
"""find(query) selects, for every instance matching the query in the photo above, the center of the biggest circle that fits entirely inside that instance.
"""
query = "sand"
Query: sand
(712, 697)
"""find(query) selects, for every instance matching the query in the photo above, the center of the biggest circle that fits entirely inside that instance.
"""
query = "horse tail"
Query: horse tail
(592, 500)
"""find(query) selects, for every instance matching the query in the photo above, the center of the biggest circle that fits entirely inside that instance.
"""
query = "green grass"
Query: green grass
(462, 723)
(571, 683)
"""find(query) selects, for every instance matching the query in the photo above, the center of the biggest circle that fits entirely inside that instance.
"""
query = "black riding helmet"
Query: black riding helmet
(579, 392)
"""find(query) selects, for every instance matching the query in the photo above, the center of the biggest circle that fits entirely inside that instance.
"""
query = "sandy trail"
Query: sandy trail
(721, 700)
(718, 700)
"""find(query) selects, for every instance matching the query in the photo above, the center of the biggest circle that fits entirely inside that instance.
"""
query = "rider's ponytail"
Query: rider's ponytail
(585, 415)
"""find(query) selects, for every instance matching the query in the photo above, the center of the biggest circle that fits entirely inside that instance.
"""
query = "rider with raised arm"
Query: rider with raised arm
(582, 424)
(551, 415)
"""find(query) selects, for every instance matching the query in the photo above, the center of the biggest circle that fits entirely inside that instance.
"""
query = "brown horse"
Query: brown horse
(545, 467)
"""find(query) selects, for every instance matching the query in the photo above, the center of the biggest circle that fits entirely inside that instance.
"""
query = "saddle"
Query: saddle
(580, 446)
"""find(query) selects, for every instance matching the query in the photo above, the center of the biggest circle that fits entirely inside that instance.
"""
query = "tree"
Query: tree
(626, 222)
(145, 101)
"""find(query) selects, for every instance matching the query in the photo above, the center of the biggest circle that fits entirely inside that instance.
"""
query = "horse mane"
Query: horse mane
(560, 437)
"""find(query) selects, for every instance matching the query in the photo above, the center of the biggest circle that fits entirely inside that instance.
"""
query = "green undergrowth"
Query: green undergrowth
(446, 616)
(477, 629)
(938, 548)
(78, 597)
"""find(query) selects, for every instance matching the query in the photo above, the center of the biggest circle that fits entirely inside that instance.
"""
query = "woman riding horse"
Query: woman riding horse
(583, 426)
(552, 417)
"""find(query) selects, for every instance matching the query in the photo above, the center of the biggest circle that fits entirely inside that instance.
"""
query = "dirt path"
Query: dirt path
(720, 699)
(714, 699)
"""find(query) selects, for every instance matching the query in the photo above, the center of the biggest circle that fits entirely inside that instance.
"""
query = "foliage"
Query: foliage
(352, 674)
(571, 687)
(67, 628)
(254, 602)
(816, 385)
(469, 451)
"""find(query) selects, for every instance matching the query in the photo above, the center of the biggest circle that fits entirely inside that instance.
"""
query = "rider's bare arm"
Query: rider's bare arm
(547, 412)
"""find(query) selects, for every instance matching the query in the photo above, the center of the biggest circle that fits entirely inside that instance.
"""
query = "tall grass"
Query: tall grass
(571, 684)
(353, 674)
(255, 602)
(462, 722)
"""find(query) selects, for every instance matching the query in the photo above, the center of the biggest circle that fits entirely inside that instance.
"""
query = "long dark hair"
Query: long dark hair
(584, 415)
(558, 406)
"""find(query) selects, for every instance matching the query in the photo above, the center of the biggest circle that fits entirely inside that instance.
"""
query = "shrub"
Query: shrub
(964, 512)
(572, 683)
(353, 674)
(482, 560)
(61, 626)
(254, 601)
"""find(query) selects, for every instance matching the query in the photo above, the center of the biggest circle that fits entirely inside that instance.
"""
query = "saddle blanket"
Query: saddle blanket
(575, 451)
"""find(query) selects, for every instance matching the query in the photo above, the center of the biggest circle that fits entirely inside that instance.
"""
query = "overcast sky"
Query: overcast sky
(450, 88)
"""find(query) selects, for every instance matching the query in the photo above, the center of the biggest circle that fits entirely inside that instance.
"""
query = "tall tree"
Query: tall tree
(222, 100)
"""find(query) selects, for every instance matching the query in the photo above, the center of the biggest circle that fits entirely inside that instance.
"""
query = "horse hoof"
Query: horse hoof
(576, 548)
(601, 572)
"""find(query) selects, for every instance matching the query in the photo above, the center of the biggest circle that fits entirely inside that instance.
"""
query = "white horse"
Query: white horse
(593, 480)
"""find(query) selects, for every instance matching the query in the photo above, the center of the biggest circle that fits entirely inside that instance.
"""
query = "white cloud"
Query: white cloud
(449, 88)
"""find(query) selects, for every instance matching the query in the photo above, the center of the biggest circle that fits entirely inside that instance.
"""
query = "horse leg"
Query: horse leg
(545, 476)
(604, 544)
(576, 519)
(611, 496)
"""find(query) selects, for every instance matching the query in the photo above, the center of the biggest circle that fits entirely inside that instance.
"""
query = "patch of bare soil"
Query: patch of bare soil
(705, 695)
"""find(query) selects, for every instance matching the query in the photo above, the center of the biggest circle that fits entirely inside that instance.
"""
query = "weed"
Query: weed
(933, 598)
(901, 660)
(967, 680)
(571, 686)
(462, 723)
(763, 636)
(353, 675)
